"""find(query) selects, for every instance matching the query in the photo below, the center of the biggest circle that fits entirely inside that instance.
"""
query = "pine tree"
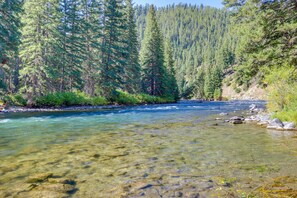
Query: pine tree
(91, 33)
(171, 84)
(132, 80)
(114, 48)
(40, 47)
(10, 11)
(72, 45)
(152, 57)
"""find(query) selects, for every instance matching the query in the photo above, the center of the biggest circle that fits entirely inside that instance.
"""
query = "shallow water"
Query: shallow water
(172, 150)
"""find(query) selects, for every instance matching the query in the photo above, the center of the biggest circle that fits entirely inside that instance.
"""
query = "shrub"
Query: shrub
(97, 101)
(125, 98)
(69, 99)
(282, 93)
(17, 100)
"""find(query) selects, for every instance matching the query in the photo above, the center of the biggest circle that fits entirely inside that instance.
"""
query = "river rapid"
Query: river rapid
(169, 150)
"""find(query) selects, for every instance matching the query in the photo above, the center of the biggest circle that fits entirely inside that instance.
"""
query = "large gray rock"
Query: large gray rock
(275, 124)
(289, 126)
(236, 120)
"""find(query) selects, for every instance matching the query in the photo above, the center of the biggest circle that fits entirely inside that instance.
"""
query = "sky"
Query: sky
(159, 3)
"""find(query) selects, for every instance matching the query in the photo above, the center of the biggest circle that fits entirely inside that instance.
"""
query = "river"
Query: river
(169, 150)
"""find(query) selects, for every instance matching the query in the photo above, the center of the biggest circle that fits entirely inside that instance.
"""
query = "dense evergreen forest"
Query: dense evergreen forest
(64, 49)
(202, 42)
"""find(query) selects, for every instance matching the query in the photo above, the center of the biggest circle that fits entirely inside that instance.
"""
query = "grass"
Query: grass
(289, 116)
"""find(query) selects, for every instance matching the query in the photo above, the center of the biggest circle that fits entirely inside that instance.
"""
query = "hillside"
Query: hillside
(202, 42)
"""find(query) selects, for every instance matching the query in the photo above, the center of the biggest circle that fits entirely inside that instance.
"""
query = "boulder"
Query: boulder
(275, 124)
(289, 126)
(236, 120)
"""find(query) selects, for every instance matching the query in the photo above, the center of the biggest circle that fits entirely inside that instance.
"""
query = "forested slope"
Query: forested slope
(203, 45)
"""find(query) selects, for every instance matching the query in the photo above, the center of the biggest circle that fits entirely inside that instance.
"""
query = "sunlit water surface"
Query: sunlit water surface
(171, 150)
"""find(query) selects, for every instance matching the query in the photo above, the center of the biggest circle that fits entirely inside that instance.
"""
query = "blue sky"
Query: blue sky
(158, 3)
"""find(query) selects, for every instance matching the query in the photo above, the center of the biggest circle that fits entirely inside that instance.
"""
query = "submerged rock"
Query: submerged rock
(275, 124)
(39, 177)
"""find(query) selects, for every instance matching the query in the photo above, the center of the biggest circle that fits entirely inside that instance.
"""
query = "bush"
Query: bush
(282, 93)
(97, 101)
(69, 99)
(125, 98)
(17, 100)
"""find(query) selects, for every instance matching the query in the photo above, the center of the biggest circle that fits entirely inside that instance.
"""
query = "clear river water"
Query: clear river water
(169, 150)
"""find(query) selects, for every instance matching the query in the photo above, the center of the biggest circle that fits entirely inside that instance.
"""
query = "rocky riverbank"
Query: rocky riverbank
(260, 117)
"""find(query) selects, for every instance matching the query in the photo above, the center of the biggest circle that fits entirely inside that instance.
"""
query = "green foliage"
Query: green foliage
(15, 100)
(201, 38)
(152, 57)
(267, 32)
(69, 99)
(282, 86)
(217, 94)
(237, 90)
(10, 11)
(213, 83)
(132, 82)
(40, 46)
(125, 98)
(114, 48)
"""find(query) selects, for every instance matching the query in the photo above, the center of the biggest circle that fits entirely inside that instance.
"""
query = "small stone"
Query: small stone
(178, 194)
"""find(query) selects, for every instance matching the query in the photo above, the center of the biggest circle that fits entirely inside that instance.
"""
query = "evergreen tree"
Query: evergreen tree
(152, 57)
(132, 79)
(91, 32)
(40, 47)
(200, 37)
(72, 34)
(171, 84)
(114, 48)
(10, 11)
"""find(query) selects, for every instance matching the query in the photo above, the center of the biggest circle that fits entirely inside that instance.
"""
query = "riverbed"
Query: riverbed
(169, 150)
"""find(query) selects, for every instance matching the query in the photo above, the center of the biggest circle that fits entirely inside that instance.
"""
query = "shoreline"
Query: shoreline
(15, 109)
(263, 119)
(20, 109)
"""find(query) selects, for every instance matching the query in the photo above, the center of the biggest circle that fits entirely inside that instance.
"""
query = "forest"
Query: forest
(99, 52)
(80, 52)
